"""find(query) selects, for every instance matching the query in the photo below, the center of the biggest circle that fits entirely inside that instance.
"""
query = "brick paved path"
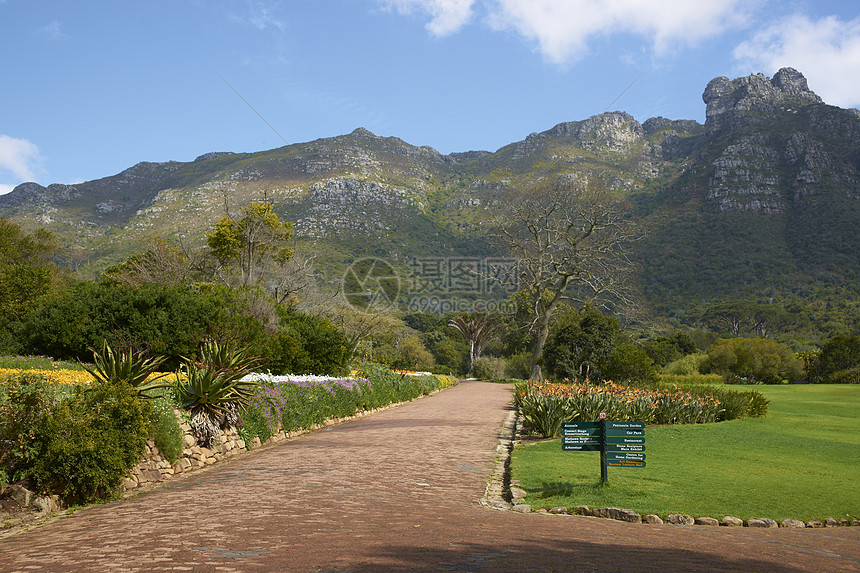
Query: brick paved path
(396, 490)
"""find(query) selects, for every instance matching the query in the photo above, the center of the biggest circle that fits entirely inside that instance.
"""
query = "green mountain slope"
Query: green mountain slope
(761, 202)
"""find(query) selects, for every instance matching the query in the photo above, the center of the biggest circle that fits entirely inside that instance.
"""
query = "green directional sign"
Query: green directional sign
(623, 449)
(625, 456)
(625, 463)
(625, 425)
(624, 433)
(621, 444)
(625, 442)
(580, 436)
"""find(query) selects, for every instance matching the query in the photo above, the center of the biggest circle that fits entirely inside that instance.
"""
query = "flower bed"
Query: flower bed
(545, 405)
(61, 375)
(293, 402)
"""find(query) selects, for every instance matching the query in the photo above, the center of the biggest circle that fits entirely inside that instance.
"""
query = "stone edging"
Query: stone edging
(502, 494)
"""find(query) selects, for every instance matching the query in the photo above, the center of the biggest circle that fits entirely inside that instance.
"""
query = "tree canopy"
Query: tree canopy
(249, 242)
(26, 271)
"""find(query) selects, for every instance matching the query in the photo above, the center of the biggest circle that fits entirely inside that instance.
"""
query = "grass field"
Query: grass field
(802, 461)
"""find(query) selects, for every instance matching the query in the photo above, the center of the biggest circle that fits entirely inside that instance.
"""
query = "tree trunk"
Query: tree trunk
(540, 341)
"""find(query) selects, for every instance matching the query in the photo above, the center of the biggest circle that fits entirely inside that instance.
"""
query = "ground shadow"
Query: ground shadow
(542, 556)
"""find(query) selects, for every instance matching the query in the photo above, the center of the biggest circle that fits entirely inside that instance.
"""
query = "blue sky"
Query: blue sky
(91, 88)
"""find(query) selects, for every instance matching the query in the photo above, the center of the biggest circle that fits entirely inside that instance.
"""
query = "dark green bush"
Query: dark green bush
(305, 344)
(839, 361)
(166, 321)
(629, 363)
(579, 351)
(88, 441)
(847, 376)
(488, 368)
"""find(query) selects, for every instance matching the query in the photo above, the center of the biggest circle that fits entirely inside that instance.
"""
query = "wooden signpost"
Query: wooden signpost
(621, 444)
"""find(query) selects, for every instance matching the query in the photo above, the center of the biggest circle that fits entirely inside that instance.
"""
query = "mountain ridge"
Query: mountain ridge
(760, 200)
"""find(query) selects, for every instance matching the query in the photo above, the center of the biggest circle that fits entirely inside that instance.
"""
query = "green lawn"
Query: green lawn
(802, 461)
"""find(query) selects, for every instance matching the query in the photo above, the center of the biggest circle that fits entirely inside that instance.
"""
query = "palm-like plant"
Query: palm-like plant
(213, 389)
(478, 330)
(127, 367)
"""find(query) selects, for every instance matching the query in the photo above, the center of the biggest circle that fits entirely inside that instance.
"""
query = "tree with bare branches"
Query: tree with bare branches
(569, 240)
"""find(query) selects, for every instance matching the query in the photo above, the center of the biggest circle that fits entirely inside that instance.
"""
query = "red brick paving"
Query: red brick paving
(394, 491)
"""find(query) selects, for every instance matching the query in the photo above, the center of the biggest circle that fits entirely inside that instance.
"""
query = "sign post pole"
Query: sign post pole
(604, 474)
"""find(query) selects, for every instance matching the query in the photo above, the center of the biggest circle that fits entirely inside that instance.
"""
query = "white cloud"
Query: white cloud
(826, 51)
(52, 30)
(260, 14)
(446, 16)
(19, 160)
(562, 29)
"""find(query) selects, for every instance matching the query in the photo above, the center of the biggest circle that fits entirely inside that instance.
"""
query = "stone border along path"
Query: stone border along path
(398, 490)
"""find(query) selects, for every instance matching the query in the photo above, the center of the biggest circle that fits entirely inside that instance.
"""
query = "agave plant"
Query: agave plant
(127, 367)
(213, 389)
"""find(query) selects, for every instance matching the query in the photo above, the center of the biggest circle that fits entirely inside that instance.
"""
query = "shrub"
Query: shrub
(579, 351)
(519, 366)
(305, 344)
(754, 361)
(24, 400)
(165, 429)
(166, 320)
(488, 368)
(847, 376)
(630, 363)
(690, 364)
(89, 441)
(839, 361)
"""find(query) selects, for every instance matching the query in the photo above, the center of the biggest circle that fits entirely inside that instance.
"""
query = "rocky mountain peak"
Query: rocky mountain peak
(612, 131)
(729, 102)
(213, 155)
(361, 132)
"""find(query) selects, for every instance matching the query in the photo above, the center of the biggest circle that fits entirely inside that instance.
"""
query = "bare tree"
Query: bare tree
(569, 241)
(289, 280)
(161, 263)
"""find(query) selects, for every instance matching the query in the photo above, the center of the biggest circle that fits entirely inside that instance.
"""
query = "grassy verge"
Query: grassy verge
(802, 461)
(36, 363)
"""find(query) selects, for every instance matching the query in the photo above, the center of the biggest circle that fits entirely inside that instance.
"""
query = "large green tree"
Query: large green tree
(249, 243)
(580, 349)
(26, 271)
(839, 361)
